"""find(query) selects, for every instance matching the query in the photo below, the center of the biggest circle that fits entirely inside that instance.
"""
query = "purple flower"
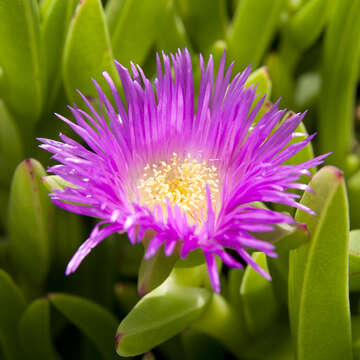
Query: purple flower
(180, 175)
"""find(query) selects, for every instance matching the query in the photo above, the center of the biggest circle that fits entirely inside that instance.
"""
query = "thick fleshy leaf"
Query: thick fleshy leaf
(318, 273)
(307, 90)
(194, 258)
(4, 254)
(93, 320)
(173, 32)
(255, 21)
(235, 277)
(11, 150)
(196, 276)
(127, 295)
(35, 332)
(154, 271)
(302, 30)
(29, 210)
(158, 316)
(339, 71)
(354, 260)
(87, 35)
(305, 26)
(68, 234)
(352, 164)
(4, 200)
(354, 199)
(222, 323)
(66, 239)
(217, 50)
(133, 28)
(292, 238)
(256, 291)
(305, 154)
(286, 237)
(56, 182)
(12, 306)
(282, 81)
(274, 344)
(198, 345)
(205, 21)
(55, 16)
(355, 330)
(21, 60)
(261, 79)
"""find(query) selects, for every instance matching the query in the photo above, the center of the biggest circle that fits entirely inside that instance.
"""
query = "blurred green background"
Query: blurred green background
(307, 53)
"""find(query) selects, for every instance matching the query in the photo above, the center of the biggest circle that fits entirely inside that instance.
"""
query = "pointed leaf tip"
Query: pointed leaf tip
(158, 316)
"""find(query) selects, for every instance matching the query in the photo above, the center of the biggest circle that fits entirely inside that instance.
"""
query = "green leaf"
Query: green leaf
(355, 330)
(4, 200)
(35, 332)
(282, 81)
(66, 239)
(87, 36)
(158, 316)
(20, 59)
(205, 21)
(11, 150)
(352, 164)
(302, 30)
(354, 199)
(306, 25)
(256, 291)
(134, 26)
(274, 344)
(196, 276)
(235, 277)
(194, 258)
(339, 71)
(12, 306)
(113, 10)
(29, 209)
(93, 320)
(221, 322)
(197, 346)
(305, 154)
(252, 30)
(286, 237)
(318, 273)
(261, 79)
(4, 253)
(217, 50)
(354, 260)
(56, 182)
(154, 271)
(172, 30)
(308, 87)
(127, 295)
(55, 19)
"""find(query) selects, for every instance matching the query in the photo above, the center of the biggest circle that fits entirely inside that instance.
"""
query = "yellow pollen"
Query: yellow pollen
(183, 182)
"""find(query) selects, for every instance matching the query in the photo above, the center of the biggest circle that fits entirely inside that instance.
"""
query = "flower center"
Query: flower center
(182, 182)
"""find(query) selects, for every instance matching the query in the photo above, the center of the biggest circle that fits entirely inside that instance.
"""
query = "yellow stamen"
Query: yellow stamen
(183, 182)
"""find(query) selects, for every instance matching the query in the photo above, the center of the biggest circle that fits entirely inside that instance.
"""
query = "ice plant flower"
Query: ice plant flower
(180, 175)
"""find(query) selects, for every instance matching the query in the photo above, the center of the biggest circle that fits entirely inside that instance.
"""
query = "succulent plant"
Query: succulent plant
(192, 174)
